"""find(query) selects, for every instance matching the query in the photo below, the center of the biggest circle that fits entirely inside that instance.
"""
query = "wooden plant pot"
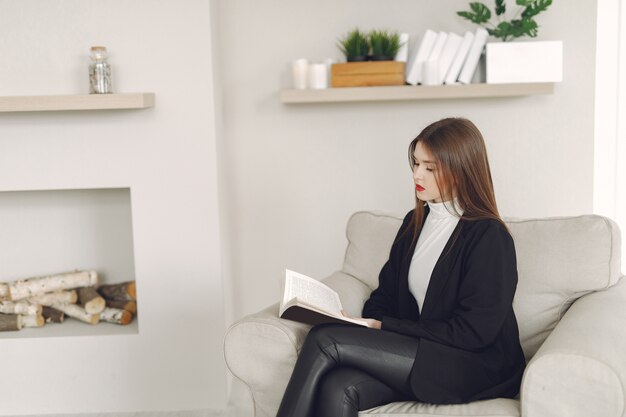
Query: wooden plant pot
(370, 73)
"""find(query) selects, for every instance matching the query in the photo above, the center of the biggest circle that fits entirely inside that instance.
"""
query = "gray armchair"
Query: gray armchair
(570, 305)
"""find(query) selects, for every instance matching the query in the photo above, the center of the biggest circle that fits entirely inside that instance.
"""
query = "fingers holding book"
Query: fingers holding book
(371, 323)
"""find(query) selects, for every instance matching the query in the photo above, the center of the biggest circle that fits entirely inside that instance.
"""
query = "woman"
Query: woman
(441, 324)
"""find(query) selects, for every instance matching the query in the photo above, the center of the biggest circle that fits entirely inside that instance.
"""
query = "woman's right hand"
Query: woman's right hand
(371, 323)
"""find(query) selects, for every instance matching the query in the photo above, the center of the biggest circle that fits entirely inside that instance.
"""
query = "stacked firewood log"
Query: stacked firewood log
(35, 301)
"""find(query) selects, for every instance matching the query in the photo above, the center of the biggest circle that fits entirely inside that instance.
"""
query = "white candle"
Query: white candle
(318, 76)
(299, 69)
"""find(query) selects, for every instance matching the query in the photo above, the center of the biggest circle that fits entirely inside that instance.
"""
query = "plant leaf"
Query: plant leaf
(479, 14)
(503, 31)
(481, 10)
(524, 3)
(500, 7)
(524, 27)
(384, 43)
(536, 7)
(355, 43)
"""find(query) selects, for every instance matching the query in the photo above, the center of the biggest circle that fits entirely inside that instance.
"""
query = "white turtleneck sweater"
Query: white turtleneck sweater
(436, 232)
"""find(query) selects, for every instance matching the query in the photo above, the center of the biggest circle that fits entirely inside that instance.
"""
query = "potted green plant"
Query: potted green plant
(515, 62)
(360, 71)
(384, 45)
(522, 24)
(355, 46)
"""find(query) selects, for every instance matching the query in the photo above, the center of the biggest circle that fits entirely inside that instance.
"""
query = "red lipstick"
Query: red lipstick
(419, 187)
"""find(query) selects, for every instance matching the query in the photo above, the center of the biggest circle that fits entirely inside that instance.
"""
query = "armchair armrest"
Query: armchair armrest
(261, 349)
(580, 370)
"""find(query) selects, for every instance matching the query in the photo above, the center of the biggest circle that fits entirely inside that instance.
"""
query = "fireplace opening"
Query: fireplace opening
(75, 245)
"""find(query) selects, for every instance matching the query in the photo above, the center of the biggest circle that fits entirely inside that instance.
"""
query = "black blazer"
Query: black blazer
(469, 346)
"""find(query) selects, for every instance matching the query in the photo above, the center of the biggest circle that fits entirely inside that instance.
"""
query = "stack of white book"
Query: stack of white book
(445, 58)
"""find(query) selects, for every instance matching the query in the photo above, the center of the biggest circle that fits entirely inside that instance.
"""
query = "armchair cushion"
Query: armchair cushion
(370, 236)
(499, 407)
(558, 261)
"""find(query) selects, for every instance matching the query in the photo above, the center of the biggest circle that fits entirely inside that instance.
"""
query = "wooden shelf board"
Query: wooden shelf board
(409, 92)
(77, 102)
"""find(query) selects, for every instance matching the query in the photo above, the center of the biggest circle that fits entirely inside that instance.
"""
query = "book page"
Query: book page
(311, 292)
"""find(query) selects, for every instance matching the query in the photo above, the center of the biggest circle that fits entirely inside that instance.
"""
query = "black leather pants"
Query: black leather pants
(344, 368)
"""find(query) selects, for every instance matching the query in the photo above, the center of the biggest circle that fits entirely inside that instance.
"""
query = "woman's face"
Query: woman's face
(424, 171)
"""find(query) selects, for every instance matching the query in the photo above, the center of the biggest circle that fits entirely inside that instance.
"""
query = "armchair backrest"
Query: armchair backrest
(558, 260)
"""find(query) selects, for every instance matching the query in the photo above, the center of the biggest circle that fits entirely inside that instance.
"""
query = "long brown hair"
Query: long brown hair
(462, 172)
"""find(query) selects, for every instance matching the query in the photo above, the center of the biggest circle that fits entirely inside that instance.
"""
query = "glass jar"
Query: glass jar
(99, 71)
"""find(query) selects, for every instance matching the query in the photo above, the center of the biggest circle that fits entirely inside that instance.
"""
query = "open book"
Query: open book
(309, 301)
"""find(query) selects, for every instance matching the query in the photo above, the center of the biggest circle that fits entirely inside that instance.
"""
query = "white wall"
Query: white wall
(610, 120)
(606, 108)
(621, 130)
(294, 173)
(166, 155)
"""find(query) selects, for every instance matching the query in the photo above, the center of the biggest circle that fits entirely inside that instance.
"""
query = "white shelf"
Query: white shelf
(409, 92)
(77, 102)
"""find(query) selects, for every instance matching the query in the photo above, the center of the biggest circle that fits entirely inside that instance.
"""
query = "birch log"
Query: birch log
(19, 307)
(91, 301)
(130, 306)
(57, 297)
(4, 291)
(40, 285)
(52, 315)
(115, 315)
(9, 322)
(77, 312)
(125, 291)
(33, 321)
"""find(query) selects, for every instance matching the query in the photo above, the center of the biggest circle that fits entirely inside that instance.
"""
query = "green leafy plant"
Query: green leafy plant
(355, 46)
(522, 24)
(384, 44)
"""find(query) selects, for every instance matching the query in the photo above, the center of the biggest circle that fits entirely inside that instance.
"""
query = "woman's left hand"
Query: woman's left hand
(371, 323)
